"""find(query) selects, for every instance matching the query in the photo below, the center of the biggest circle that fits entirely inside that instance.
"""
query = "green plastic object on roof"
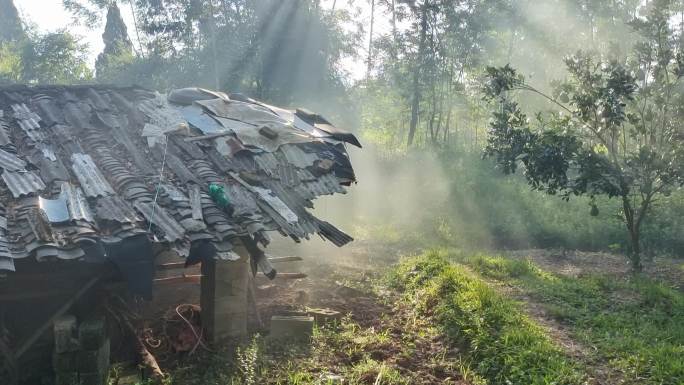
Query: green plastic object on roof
(218, 195)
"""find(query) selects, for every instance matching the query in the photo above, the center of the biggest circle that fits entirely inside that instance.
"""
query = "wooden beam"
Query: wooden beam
(289, 276)
(181, 265)
(26, 345)
(284, 259)
(185, 278)
(195, 278)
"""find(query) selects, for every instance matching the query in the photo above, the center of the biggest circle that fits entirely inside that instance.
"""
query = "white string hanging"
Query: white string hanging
(161, 178)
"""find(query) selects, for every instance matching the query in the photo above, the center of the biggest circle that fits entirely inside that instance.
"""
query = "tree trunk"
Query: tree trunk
(634, 234)
(370, 41)
(415, 102)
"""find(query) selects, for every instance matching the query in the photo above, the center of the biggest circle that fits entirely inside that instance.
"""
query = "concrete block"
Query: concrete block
(224, 297)
(322, 316)
(291, 327)
(94, 361)
(92, 333)
(65, 331)
(66, 378)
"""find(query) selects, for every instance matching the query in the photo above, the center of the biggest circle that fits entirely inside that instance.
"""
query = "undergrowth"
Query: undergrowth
(635, 323)
(503, 345)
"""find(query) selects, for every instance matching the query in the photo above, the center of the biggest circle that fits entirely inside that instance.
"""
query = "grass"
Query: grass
(635, 323)
(503, 345)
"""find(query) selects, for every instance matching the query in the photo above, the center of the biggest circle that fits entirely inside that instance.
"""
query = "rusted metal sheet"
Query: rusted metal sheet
(22, 182)
(158, 216)
(89, 176)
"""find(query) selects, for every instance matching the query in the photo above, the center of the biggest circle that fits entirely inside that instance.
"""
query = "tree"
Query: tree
(54, 58)
(615, 129)
(118, 49)
(11, 29)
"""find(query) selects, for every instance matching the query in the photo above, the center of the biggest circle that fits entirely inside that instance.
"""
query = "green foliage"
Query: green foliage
(117, 55)
(635, 323)
(10, 63)
(504, 345)
(54, 58)
(11, 29)
(611, 143)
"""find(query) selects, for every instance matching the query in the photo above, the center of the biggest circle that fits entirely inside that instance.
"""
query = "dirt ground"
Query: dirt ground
(575, 263)
(341, 282)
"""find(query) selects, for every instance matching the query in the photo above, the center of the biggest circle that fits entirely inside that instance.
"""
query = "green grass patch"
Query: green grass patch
(503, 345)
(636, 323)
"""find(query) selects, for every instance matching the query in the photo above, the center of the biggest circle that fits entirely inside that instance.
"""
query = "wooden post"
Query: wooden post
(224, 296)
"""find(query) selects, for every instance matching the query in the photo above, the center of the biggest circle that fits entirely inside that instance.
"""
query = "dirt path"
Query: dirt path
(599, 373)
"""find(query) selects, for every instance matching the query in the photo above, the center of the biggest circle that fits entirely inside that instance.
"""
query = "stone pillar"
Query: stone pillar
(224, 296)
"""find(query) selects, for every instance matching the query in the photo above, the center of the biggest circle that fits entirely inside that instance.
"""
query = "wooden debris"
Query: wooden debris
(284, 259)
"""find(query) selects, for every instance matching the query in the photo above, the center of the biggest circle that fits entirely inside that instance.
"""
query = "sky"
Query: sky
(49, 15)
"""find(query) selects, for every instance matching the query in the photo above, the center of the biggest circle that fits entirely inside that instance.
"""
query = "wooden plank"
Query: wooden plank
(289, 276)
(26, 345)
(173, 266)
(185, 278)
(195, 278)
(284, 259)
(181, 265)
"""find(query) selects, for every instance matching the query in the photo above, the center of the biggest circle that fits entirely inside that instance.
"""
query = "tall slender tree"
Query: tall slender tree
(11, 28)
(118, 49)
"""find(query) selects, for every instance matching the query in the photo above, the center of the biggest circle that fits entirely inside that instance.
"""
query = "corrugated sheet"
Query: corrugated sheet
(10, 161)
(89, 176)
(297, 156)
(158, 216)
(113, 208)
(76, 202)
(96, 132)
(4, 130)
(22, 112)
(22, 182)
(161, 114)
(55, 209)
